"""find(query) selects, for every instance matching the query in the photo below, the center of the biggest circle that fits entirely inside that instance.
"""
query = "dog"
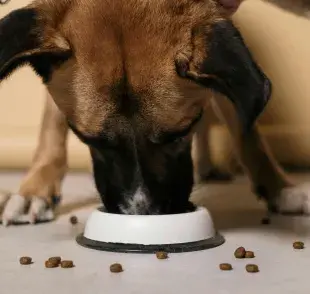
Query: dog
(134, 79)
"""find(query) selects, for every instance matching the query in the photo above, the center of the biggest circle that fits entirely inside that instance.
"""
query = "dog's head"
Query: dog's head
(132, 78)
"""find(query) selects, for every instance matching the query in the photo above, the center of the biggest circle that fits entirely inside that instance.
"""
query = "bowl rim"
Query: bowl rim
(197, 208)
(213, 242)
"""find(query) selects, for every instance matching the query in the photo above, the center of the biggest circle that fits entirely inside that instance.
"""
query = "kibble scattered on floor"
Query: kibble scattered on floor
(51, 264)
(225, 267)
(66, 264)
(252, 268)
(55, 259)
(25, 260)
(74, 220)
(116, 268)
(298, 245)
(161, 255)
(249, 254)
(265, 221)
(240, 252)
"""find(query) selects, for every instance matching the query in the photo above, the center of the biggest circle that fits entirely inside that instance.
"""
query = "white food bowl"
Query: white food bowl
(183, 232)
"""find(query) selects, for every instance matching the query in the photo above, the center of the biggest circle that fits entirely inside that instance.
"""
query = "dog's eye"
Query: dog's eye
(179, 140)
(178, 136)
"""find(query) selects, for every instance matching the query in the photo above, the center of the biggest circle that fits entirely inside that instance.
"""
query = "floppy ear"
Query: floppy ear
(23, 40)
(229, 68)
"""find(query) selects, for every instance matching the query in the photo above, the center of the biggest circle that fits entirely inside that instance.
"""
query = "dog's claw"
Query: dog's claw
(47, 215)
(38, 207)
(32, 219)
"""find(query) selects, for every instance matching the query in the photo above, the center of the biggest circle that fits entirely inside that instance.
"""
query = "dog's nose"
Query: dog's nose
(267, 90)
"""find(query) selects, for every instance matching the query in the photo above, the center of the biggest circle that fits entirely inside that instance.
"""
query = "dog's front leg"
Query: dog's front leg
(41, 185)
(269, 181)
(204, 168)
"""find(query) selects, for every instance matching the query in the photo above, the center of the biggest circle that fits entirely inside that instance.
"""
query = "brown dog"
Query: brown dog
(133, 79)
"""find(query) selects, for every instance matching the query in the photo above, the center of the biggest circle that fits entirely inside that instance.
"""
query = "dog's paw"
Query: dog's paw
(294, 200)
(20, 210)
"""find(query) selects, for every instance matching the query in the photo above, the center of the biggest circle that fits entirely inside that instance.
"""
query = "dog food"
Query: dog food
(51, 264)
(66, 264)
(116, 268)
(55, 259)
(161, 255)
(252, 268)
(249, 254)
(298, 245)
(265, 221)
(225, 267)
(73, 220)
(25, 260)
(240, 252)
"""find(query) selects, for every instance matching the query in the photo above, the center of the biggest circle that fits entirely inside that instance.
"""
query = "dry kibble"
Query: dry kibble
(249, 254)
(225, 267)
(55, 259)
(73, 220)
(51, 264)
(66, 264)
(298, 245)
(116, 268)
(240, 252)
(25, 260)
(265, 221)
(252, 268)
(161, 255)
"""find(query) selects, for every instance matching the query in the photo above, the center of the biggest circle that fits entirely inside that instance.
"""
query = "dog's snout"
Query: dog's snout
(138, 203)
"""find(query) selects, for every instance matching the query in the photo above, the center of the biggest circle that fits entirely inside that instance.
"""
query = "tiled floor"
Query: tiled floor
(236, 213)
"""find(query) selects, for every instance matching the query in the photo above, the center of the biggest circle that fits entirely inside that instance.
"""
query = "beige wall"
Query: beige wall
(278, 41)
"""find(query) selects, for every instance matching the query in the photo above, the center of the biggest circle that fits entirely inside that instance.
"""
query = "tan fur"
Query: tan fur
(50, 160)
(95, 71)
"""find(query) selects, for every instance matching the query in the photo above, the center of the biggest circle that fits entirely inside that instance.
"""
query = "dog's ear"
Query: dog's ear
(227, 67)
(23, 40)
